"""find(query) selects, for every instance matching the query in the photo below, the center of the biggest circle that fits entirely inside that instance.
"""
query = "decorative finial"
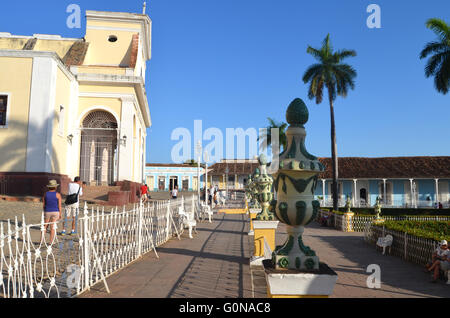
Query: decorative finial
(145, 7)
(297, 113)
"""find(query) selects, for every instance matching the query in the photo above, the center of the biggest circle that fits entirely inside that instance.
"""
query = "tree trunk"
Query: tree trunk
(334, 156)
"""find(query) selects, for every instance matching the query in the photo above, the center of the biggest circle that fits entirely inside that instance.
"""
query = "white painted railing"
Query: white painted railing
(31, 267)
(409, 247)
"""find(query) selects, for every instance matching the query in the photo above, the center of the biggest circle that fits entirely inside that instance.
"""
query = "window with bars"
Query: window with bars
(3, 109)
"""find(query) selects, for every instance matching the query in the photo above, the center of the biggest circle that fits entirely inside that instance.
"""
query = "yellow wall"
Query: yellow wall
(101, 70)
(86, 103)
(107, 88)
(15, 78)
(59, 47)
(103, 52)
(111, 24)
(12, 43)
(59, 141)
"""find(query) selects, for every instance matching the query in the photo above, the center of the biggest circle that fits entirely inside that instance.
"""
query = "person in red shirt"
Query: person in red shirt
(144, 191)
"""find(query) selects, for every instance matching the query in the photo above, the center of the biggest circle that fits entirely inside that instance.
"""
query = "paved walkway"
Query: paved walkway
(212, 265)
(216, 264)
(349, 256)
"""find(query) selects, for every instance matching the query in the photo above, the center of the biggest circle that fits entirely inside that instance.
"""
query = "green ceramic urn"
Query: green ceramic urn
(295, 183)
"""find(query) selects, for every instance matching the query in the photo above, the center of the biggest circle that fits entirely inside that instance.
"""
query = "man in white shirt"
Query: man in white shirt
(73, 209)
(175, 193)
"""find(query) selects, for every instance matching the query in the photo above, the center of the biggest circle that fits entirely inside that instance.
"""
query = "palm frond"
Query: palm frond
(440, 27)
(433, 47)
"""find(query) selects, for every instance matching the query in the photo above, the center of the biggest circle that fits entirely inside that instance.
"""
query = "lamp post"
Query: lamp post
(206, 177)
(226, 182)
(199, 153)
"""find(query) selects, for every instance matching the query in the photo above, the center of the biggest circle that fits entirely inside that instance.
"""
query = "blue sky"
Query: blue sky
(233, 63)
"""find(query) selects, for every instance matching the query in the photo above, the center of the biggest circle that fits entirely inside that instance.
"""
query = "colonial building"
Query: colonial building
(164, 177)
(231, 174)
(399, 182)
(75, 107)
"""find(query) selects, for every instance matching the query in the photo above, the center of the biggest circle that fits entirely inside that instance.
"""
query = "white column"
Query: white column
(126, 150)
(437, 190)
(41, 115)
(384, 192)
(323, 192)
(354, 192)
(206, 182)
(411, 190)
(73, 154)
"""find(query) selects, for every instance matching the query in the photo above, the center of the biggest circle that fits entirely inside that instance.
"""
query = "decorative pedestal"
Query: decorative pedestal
(348, 222)
(264, 230)
(253, 213)
(378, 221)
(296, 284)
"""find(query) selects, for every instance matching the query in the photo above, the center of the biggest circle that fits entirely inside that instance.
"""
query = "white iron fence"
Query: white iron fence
(409, 247)
(31, 267)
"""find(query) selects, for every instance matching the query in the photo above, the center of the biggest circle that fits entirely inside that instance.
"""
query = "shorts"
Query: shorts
(445, 266)
(72, 210)
(50, 217)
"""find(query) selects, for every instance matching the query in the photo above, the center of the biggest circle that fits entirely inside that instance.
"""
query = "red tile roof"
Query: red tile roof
(389, 167)
(364, 168)
(234, 168)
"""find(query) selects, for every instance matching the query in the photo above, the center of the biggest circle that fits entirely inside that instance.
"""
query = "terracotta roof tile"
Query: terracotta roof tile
(364, 168)
(389, 167)
(76, 54)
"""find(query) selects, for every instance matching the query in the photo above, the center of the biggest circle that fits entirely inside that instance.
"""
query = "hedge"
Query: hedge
(435, 230)
(398, 211)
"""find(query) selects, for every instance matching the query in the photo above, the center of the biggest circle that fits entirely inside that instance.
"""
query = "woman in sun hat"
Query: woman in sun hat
(52, 207)
(441, 260)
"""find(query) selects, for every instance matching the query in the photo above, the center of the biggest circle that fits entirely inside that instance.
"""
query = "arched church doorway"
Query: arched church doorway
(98, 160)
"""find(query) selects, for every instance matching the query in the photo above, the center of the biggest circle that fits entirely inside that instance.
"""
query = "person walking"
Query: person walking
(144, 191)
(73, 204)
(175, 193)
(52, 209)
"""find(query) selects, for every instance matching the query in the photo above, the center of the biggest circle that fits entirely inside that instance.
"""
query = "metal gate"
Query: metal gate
(98, 160)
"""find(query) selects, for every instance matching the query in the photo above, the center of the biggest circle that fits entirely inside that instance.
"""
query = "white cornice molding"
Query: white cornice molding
(33, 54)
(52, 37)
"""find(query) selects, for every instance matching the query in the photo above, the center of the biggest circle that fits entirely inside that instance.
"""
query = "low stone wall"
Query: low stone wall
(133, 188)
(30, 184)
(118, 198)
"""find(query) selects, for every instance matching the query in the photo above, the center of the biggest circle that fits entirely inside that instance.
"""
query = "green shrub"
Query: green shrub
(435, 230)
(401, 211)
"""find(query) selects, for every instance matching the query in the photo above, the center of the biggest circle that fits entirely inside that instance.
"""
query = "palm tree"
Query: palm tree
(337, 78)
(281, 130)
(438, 64)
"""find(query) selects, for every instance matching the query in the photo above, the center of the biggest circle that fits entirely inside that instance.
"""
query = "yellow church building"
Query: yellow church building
(75, 107)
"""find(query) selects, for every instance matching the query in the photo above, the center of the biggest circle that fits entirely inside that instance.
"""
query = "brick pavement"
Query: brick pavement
(216, 264)
(212, 265)
(349, 256)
